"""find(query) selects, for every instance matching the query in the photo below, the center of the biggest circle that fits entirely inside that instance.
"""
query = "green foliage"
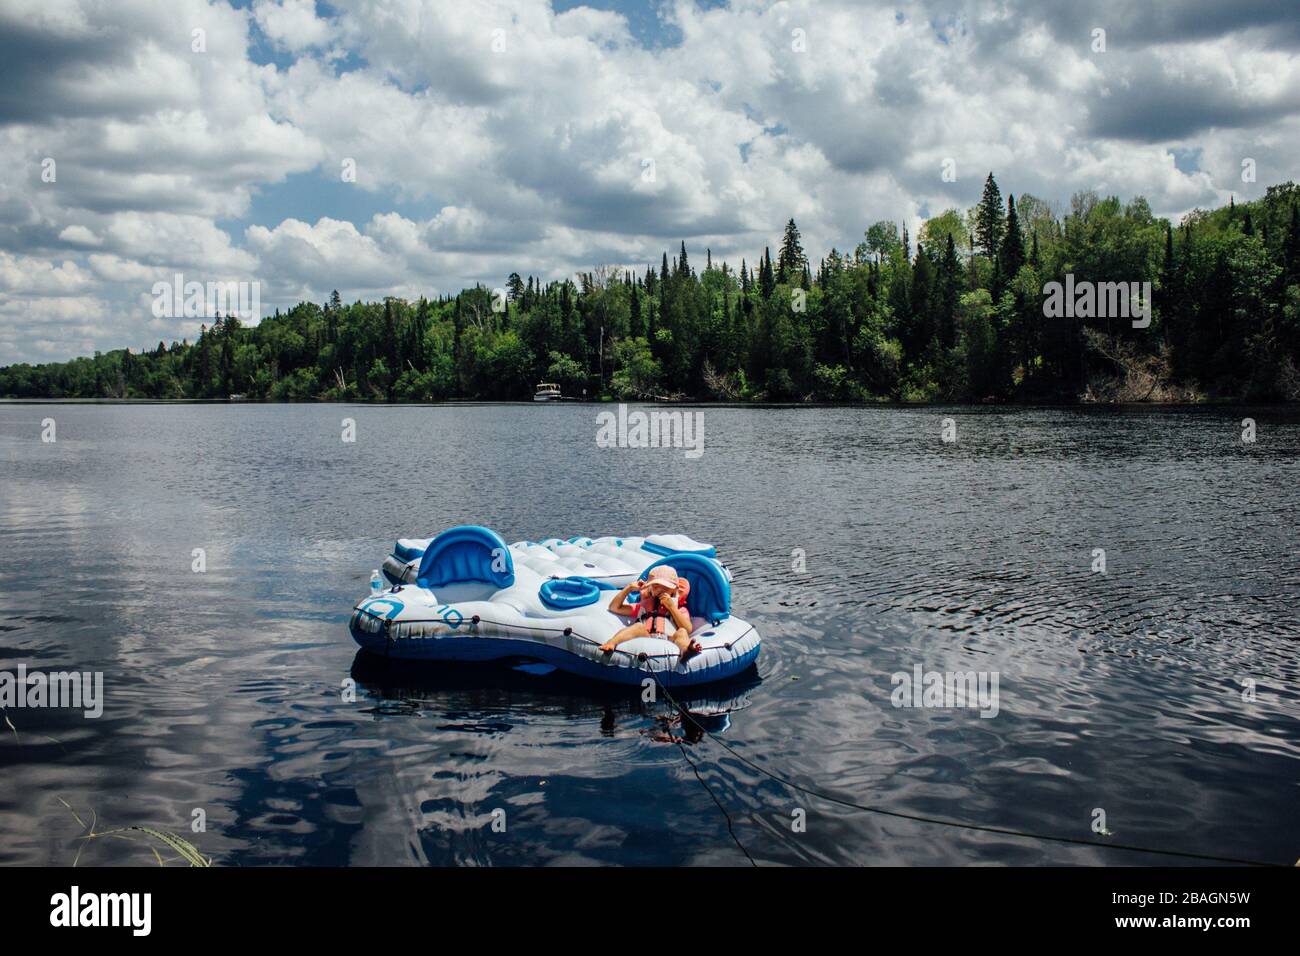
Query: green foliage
(567, 372)
(989, 224)
(638, 372)
(881, 241)
(936, 230)
(960, 320)
(791, 260)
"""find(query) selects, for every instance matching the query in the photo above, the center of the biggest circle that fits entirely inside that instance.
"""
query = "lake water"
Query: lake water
(861, 543)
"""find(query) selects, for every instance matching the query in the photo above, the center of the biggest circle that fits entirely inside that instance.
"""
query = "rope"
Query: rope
(939, 821)
(865, 808)
(566, 631)
(726, 816)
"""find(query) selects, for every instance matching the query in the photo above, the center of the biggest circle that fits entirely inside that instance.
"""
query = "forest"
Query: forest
(956, 316)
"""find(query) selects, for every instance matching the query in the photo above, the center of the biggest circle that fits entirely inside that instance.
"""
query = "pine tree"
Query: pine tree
(989, 226)
(790, 259)
(1013, 245)
(949, 289)
(1291, 248)
(634, 319)
(766, 279)
(918, 330)
(205, 362)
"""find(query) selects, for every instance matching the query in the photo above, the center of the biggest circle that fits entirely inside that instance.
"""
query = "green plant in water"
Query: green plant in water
(186, 852)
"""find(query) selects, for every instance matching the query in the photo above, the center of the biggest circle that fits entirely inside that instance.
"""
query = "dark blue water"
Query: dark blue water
(1119, 691)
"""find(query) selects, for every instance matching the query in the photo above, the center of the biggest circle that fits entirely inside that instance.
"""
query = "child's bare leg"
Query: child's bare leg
(632, 630)
(688, 647)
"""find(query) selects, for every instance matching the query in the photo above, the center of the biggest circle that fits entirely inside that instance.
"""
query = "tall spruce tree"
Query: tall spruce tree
(989, 225)
(949, 288)
(766, 280)
(1013, 243)
(790, 259)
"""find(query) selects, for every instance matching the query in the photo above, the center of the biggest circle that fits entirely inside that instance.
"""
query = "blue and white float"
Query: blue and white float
(468, 596)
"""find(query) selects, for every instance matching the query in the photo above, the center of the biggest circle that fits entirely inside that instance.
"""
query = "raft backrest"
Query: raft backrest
(466, 553)
(710, 595)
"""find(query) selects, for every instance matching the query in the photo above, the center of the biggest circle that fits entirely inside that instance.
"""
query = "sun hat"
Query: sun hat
(665, 575)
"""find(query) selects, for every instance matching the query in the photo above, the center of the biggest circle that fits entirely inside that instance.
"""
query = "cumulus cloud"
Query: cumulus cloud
(414, 147)
(292, 24)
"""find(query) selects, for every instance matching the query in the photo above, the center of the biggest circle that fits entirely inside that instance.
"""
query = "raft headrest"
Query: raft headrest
(667, 544)
(710, 592)
(466, 553)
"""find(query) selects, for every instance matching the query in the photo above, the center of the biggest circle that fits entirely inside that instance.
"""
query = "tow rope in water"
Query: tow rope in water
(850, 804)
(939, 821)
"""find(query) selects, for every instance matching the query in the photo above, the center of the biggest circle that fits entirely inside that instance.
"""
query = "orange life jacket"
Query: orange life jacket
(652, 611)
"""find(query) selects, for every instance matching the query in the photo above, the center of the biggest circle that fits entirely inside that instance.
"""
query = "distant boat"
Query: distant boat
(546, 392)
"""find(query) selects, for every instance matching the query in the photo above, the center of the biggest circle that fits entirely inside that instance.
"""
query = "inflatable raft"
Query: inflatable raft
(466, 595)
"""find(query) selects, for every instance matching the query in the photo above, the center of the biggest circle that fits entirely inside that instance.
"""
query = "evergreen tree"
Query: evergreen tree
(790, 260)
(917, 328)
(949, 289)
(1013, 243)
(204, 389)
(766, 279)
(1291, 248)
(989, 226)
(634, 326)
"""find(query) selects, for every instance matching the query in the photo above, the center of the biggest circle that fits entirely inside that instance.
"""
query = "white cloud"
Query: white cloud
(293, 24)
(80, 236)
(29, 276)
(495, 135)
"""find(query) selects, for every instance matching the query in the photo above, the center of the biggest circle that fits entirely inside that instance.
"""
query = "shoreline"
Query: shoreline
(684, 403)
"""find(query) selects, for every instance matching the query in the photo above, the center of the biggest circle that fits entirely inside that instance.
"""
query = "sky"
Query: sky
(416, 147)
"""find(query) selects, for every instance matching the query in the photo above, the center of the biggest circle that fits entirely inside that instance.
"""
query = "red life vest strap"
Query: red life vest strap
(656, 610)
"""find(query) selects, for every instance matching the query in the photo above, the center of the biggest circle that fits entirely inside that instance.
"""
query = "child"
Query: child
(660, 612)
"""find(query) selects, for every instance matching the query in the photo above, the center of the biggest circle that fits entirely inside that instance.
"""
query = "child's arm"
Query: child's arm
(678, 614)
(619, 605)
